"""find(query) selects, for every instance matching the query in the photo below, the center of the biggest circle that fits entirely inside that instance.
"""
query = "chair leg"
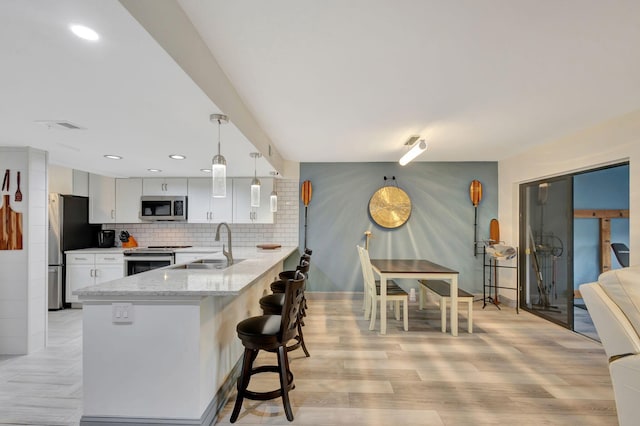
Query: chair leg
(406, 314)
(367, 306)
(443, 314)
(374, 305)
(470, 315)
(424, 297)
(365, 300)
(243, 381)
(301, 338)
(397, 310)
(283, 364)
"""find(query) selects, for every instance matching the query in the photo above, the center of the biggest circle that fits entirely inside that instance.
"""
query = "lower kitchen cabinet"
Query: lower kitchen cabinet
(85, 269)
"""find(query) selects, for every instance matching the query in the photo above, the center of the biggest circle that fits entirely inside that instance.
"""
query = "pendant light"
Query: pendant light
(273, 198)
(255, 183)
(219, 163)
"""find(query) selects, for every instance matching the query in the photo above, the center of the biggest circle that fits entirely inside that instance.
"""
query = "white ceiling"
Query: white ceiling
(329, 80)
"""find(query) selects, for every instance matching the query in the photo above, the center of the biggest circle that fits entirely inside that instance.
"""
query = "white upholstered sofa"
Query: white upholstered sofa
(614, 305)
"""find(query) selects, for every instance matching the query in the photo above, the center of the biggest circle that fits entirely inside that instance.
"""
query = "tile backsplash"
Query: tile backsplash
(284, 231)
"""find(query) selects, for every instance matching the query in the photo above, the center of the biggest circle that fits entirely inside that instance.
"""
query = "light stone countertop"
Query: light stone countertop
(97, 250)
(204, 249)
(192, 282)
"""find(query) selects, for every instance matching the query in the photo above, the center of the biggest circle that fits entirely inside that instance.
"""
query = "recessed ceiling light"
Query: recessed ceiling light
(154, 170)
(205, 170)
(177, 157)
(113, 157)
(84, 33)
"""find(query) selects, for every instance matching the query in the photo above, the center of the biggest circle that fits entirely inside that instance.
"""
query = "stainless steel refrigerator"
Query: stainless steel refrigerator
(69, 229)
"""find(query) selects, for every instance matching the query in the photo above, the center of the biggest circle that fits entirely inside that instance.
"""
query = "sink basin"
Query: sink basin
(207, 264)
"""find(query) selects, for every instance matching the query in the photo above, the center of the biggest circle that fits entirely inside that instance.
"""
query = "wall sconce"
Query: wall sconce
(416, 150)
(219, 163)
(273, 198)
(255, 183)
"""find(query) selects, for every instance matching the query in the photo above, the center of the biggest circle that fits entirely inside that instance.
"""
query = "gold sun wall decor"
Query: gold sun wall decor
(390, 206)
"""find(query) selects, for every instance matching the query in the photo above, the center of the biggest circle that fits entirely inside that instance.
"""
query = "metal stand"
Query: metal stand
(490, 267)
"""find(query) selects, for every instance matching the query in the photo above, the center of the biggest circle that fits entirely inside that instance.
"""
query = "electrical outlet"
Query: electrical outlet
(122, 313)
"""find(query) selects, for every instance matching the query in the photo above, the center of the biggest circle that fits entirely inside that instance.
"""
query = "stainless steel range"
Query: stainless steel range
(142, 259)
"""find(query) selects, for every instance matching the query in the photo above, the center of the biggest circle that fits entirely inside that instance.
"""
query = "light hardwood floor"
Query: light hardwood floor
(514, 369)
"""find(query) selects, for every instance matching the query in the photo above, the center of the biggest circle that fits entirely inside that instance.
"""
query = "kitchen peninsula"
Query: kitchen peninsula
(161, 346)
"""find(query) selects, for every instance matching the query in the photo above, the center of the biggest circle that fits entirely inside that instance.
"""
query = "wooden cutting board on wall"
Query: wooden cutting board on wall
(10, 226)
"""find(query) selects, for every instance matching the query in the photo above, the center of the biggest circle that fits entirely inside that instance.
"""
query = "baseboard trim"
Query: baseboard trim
(208, 418)
(333, 295)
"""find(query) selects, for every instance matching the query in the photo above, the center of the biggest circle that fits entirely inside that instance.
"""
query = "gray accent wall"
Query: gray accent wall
(439, 229)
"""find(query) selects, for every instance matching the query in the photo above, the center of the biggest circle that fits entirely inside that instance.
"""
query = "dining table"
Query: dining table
(414, 269)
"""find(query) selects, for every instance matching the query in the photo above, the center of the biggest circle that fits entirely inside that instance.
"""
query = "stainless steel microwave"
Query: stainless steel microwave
(163, 207)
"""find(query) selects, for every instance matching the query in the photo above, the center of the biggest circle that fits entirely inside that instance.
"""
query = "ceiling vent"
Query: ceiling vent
(60, 124)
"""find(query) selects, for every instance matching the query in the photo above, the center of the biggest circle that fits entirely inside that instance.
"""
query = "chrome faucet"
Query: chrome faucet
(227, 254)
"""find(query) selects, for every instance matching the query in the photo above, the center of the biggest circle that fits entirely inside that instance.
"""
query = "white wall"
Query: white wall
(611, 142)
(23, 273)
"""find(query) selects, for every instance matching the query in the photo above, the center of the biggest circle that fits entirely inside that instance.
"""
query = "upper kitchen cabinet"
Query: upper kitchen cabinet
(128, 193)
(203, 208)
(164, 186)
(242, 210)
(102, 199)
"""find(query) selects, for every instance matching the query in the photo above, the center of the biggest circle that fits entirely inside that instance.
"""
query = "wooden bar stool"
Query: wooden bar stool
(270, 333)
(278, 286)
(272, 304)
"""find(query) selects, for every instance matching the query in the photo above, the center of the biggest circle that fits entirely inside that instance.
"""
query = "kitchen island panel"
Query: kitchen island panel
(149, 363)
(179, 358)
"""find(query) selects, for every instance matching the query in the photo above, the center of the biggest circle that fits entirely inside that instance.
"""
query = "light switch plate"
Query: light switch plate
(122, 313)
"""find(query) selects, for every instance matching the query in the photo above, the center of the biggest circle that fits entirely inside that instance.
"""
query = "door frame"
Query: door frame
(524, 248)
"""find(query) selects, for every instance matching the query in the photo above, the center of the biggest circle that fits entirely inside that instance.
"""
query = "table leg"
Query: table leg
(454, 305)
(383, 304)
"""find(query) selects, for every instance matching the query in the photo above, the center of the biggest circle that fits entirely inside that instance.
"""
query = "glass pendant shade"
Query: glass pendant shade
(219, 174)
(219, 163)
(273, 202)
(255, 192)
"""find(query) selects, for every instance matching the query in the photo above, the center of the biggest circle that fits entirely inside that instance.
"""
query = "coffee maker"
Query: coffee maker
(106, 238)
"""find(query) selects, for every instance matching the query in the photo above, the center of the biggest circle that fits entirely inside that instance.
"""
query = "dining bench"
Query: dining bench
(442, 290)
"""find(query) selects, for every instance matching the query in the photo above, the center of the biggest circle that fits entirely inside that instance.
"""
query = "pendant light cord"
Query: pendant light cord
(219, 136)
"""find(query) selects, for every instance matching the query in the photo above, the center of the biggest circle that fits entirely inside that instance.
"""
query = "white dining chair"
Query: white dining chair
(366, 299)
(372, 293)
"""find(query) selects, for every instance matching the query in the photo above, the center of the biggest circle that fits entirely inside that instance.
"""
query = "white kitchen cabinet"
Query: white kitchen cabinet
(102, 199)
(164, 186)
(203, 208)
(85, 269)
(80, 183)
(242, 210)
(128, 193)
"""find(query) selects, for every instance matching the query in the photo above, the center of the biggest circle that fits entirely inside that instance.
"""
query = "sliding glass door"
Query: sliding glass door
(546, 235)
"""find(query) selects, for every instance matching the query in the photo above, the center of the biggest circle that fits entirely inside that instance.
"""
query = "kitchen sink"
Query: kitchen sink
(207, 264)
